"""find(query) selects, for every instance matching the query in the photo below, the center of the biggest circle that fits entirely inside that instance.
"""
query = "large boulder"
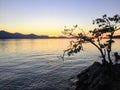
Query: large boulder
(95, 77)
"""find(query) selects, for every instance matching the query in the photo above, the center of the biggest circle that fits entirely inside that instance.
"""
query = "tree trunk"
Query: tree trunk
(109, 58)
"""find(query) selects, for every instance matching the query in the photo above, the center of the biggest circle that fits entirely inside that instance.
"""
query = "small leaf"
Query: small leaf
(75, 51)
(90, 31)
(74, 45)
(93, 22)
(104, 16)
(102, 46)
(100, 25)
(69, 54)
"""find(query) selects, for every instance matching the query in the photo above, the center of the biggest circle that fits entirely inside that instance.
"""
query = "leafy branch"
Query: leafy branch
(106, 27)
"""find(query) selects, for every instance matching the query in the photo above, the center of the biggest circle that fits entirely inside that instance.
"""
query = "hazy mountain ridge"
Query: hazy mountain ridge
(117, 36)
(7, 35)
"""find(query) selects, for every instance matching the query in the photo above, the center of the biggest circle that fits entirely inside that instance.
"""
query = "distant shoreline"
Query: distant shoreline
(35, 38)
(8, 35)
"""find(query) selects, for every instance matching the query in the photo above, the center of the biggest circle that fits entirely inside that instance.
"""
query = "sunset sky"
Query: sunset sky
(48, 17)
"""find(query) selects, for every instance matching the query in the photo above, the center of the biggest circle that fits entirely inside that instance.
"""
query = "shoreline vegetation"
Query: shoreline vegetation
(7, 35)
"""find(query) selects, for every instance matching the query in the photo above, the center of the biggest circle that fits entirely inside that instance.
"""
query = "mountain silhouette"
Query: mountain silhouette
(117, 36)
(8, 35)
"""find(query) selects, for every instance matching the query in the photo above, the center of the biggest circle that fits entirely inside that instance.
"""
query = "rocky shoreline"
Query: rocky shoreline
(99, 77)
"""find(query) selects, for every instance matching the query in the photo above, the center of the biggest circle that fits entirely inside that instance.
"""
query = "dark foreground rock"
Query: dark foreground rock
(99, 77)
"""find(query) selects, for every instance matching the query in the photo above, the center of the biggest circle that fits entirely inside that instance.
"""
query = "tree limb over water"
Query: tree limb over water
(106, 27)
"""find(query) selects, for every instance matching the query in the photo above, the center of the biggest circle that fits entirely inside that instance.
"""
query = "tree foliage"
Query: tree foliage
(106, 27)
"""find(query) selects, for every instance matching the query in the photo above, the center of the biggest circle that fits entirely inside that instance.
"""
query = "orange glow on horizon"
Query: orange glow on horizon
(50, 31)
(38, 31)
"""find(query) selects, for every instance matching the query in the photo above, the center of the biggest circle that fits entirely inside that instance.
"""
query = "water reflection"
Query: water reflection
(38, 47)
(33, 63)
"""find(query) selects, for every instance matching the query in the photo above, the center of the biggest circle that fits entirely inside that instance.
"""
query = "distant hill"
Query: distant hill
(8, 35)
(117, 36)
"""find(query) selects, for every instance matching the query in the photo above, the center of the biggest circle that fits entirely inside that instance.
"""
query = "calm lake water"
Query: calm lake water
(34, 64)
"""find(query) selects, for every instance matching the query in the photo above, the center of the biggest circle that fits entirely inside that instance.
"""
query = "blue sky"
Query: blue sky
(50, 16)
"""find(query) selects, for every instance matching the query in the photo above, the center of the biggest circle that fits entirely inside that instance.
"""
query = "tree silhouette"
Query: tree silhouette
(106, 27)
